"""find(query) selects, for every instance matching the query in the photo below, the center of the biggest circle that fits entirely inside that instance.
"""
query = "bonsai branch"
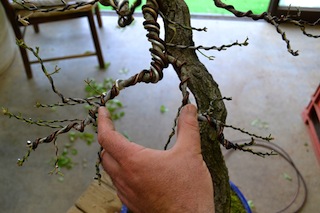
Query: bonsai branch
(275, 21)
(222, 47)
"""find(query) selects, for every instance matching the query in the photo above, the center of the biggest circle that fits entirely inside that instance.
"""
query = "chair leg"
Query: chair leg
(98, 14)
(26, 62)
(11, 16)
(36, 28)
(96, 40)
(23, 51)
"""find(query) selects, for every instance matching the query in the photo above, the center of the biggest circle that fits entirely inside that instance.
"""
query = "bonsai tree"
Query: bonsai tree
(177, 49)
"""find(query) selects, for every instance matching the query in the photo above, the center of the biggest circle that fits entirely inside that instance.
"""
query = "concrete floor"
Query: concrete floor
(265, 82)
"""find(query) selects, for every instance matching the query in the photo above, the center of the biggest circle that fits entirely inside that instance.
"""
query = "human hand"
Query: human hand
(147, 180)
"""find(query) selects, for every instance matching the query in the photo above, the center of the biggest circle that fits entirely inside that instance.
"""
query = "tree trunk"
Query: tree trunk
(204, 89)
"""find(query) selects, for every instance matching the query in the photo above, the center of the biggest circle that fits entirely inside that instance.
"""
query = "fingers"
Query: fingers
(188, 135)
(104, 119)
(112, 141)
(115, 144)
(109, 164)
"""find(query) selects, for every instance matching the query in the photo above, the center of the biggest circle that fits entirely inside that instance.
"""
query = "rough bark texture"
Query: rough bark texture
(205, 89)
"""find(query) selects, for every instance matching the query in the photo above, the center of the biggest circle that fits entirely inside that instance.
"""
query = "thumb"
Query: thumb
(188, 135)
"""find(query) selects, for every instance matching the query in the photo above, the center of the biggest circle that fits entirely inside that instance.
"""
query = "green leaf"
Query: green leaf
(65, 152)
(60, 178)
(117, 102)
(63, 161)
(250, 203)
(287, 177)
(107, 65)
(124, 71)
(72, 138)
(163, 109)
(67, 145)
(260, 124)
(74, 151)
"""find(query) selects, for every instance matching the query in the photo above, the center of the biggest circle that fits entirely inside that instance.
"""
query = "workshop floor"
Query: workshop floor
(268, 86)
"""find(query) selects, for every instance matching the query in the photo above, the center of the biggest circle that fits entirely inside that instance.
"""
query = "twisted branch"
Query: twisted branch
(153, 75)
(222, 47)
(218, 126)
(275, 21)
(160, 59)
(65, 101)
(181, 25)
(122, 8)
(43, 123)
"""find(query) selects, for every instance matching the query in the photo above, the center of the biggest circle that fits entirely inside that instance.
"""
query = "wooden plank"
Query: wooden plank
(105, 178)
(74, 209)
(98, 198)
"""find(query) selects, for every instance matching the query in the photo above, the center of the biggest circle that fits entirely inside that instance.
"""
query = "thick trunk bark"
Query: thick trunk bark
(204, 89)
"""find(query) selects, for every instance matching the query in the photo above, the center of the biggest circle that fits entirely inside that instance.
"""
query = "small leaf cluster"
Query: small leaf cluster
(64, 160)
(93, 88)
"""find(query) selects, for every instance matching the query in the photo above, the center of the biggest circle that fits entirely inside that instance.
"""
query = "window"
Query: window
(310, 9)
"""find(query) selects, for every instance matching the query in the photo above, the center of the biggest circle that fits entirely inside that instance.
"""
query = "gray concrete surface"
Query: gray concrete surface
(265, 82)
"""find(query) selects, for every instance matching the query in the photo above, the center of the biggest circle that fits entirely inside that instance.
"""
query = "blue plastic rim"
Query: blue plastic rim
(241, 197)
(234, 188)
(124, 209)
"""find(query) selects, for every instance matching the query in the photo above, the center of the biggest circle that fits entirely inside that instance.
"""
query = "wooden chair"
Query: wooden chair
(14, 12)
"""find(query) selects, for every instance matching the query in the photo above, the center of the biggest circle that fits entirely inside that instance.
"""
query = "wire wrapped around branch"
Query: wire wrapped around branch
(237, 13)
(152, 75)
(200, 47)
(185, 96)
(300, 23)
(79, 126)
(219, 126)
(181, 25)
(275, 21)
(65, 100)
(122, 8)
(44, 123)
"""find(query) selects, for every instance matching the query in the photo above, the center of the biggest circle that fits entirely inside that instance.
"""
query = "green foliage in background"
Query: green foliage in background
(208, 7)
